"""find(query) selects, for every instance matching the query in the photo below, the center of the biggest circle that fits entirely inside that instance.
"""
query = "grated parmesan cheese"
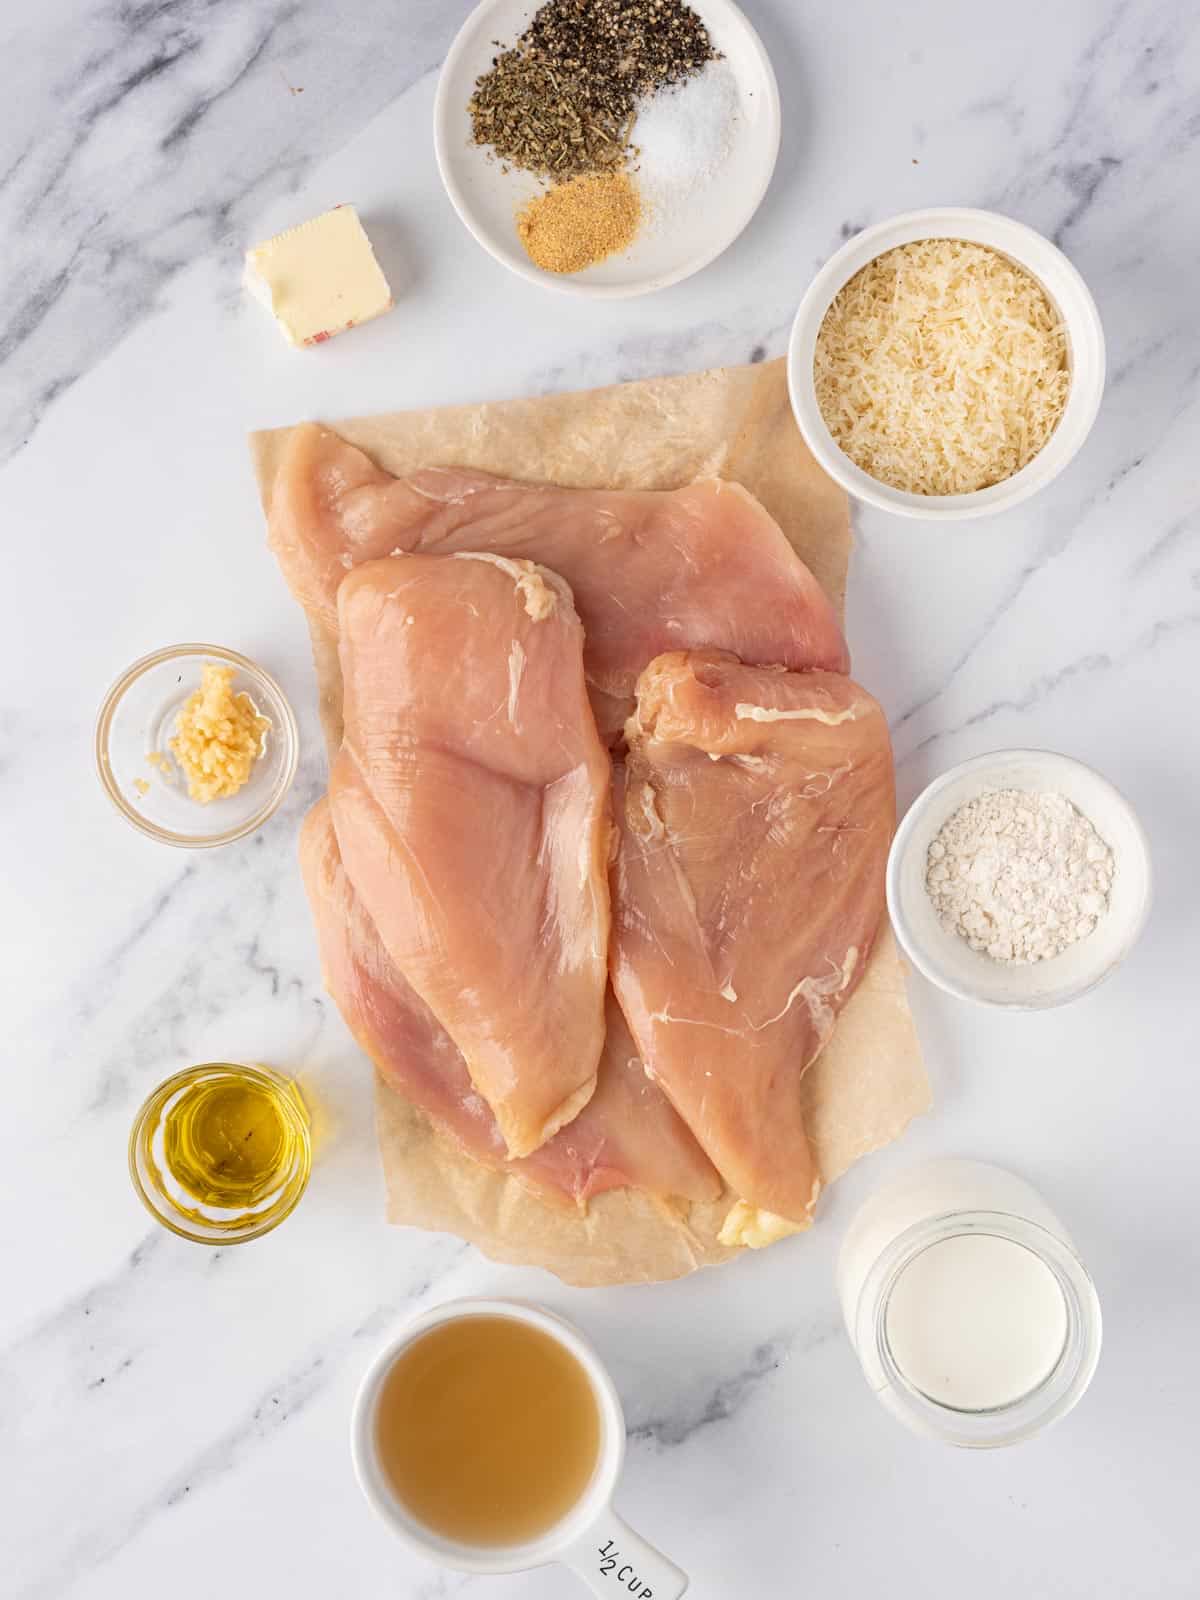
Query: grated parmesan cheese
(941, 367)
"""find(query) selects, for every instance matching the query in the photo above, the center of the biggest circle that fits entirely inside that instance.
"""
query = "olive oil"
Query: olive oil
(487, 1430)
(227, 1140)
(221, 1152)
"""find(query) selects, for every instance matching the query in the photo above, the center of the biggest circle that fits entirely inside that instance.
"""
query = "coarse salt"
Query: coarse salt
(683, 136)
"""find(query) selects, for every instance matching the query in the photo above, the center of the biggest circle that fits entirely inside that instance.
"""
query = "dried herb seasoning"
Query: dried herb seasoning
(561, 101)
(537, 116)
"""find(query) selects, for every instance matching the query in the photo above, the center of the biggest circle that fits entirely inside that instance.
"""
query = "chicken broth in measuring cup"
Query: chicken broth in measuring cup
(487, 1430)
(490, 1437)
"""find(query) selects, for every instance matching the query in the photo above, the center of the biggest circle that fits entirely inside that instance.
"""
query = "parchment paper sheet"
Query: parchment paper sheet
(869, 1081)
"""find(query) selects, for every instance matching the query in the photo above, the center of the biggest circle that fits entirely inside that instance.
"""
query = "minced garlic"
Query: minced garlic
(218, 736)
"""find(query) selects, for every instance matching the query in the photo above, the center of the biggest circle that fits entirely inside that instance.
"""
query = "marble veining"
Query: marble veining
(730, 1394)
(96, 1341)
(125, 173)
(165, 1407)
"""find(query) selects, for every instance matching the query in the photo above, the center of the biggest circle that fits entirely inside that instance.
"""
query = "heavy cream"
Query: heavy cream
(971, 1314)
(976, 1322)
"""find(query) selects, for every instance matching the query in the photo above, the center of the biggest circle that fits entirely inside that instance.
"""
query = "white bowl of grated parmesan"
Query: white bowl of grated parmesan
(946, 364)
(1019, 879)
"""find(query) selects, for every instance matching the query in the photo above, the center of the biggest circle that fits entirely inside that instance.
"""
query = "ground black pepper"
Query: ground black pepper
(634, 45)
(562, 100)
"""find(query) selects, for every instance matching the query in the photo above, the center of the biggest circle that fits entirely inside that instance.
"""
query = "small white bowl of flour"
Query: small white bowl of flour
(1019, 879)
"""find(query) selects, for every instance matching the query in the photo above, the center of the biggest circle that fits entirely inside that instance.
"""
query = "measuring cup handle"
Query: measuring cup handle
(616, 1562)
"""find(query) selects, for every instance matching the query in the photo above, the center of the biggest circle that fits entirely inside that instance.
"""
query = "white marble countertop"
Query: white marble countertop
(174, 1419)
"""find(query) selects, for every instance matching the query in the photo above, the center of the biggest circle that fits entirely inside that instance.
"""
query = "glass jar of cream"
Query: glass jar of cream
(973, 1318)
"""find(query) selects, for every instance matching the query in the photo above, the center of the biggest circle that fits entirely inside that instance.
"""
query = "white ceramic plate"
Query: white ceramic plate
(487, 199)
(949, 961)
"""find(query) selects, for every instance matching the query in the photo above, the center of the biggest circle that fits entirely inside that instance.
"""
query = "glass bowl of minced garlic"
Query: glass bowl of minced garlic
(946, 364)
(196, 745)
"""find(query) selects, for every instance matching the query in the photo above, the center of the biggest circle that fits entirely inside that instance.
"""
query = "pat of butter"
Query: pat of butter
(319, 278)
(754, 1229)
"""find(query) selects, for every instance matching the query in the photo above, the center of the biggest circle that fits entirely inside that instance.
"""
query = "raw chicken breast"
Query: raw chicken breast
(471, 804)
(627, 1133)
(703, 566)
(755, 812)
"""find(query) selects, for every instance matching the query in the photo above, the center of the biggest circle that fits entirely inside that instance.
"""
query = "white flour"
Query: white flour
(1019, 875)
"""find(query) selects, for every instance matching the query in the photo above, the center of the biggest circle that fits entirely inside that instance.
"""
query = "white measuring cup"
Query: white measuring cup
(591, 1539)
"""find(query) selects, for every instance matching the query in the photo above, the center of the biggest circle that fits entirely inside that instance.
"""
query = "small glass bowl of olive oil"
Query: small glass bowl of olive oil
(221, 1152)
